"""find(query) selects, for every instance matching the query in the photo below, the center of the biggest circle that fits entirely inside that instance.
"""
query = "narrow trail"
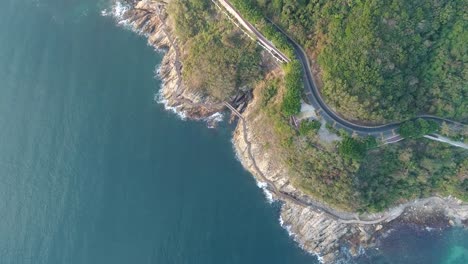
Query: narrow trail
(311, 90)
(342, 217)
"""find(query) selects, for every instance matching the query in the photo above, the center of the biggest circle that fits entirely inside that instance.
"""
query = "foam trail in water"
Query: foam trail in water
(214, 119)
(286, 227)
(159, 98)
(118, 11)
(294, 236)
(268, 194)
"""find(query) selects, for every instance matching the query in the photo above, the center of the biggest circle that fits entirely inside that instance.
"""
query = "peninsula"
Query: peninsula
(351, 114)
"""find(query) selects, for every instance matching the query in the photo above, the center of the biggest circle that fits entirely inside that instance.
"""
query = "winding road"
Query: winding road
(339, 216)
(385, 131)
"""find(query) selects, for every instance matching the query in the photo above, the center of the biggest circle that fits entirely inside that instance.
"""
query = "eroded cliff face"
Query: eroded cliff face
(320, 234)
(315, 231)
(329, 233)
(317, 228)
(149, 17)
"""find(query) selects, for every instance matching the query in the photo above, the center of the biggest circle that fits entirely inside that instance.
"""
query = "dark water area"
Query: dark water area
(93, 170)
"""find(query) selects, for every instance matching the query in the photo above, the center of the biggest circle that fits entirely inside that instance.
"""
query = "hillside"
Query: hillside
(383, 60)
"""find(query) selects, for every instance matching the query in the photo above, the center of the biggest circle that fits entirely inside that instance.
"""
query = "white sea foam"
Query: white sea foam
(211, 120)
(159, 98)
(286, 227)
(429, 229)
(260, 184)
(294, 236)
(157, 71)
(214, 119)
(236, 153)
(117, 10)
(268, 194)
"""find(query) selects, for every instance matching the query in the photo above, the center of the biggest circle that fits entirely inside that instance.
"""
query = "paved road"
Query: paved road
(340, 216)
(315, 98)
(343, 217)
(384, 131)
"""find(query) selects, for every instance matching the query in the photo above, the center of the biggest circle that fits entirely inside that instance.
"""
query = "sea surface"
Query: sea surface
(94, 170)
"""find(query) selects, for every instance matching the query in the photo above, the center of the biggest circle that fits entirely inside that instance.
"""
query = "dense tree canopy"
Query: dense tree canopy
(417, 128)
(388, 59)
(384, 59)
(218, 59)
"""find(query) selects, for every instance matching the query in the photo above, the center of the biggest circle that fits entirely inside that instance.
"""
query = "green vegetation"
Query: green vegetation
(309, 126)
(293, 70)
(376, 58)
(356, 148)
(355, 173)
(269, 93)
(411, 170)
(417, 128)
(213, 64)
(318, 171)
(383, 59)
(457, 133)
(191, 17)
(254, 15)
(294, 83)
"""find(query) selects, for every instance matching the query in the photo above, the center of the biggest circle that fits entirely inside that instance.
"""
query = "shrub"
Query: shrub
(356, 148)
(417, 128)
(307, 126)
(293, 82)
(352, 148)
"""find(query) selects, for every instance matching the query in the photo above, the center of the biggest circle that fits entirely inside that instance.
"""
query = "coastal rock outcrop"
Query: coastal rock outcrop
(329, 233)
(150, 19)
(317, 228)
(316, 231)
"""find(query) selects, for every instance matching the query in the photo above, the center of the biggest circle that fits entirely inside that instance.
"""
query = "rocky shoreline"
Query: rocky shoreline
(149, 18)
(317, 228)
(329, 233)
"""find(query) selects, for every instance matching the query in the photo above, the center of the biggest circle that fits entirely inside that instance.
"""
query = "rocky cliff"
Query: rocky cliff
(319, 229)
(329, 233)
(149, 18)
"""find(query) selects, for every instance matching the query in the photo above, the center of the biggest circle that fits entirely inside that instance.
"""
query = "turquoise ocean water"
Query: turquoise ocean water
(93, 170)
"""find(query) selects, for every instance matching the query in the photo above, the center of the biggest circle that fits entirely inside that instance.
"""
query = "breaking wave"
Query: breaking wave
(159, 98)
(117, 10)
(268, 194)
